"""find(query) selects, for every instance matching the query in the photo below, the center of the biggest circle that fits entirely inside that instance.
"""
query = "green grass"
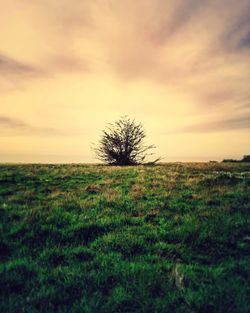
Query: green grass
(167, 238)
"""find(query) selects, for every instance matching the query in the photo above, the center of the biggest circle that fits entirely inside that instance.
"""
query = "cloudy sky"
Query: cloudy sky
(69, 67)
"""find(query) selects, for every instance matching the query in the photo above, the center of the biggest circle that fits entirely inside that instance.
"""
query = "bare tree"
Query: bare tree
(122, 143)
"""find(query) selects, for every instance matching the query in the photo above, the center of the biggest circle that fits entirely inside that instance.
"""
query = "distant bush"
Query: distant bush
(246, 158)
(229, 161)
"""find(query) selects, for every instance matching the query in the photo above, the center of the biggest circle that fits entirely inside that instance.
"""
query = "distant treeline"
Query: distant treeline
(246, 158)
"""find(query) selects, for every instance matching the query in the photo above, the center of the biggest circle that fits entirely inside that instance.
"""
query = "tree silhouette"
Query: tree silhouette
(246, 158)
(122, 143)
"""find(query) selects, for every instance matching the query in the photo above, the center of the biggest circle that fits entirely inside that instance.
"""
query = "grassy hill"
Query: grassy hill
(167, 238)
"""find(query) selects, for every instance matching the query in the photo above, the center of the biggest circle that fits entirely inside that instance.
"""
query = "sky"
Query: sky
(180, 67)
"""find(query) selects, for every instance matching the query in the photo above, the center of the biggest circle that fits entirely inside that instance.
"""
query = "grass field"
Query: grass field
(85, 238)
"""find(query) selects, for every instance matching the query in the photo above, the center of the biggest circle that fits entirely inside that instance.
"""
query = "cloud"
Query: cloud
(238, 123)
(13, 73)
(13, 123)
(245, 41)
(162, 41)
(190, 45)
(236, 35)
(66, 64)
(195, 48)
(171, 21)
(12, 127)
(10, 67)
(61, 16)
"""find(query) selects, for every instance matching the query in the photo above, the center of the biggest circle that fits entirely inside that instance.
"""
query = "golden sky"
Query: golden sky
(69, 67)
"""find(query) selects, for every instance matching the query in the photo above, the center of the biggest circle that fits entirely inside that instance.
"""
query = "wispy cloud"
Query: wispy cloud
(60, 63)
(189, 44)
(198, 48)
(13, 123)
(12, 126)
(14, 73)
(230, 124)
(10, 67)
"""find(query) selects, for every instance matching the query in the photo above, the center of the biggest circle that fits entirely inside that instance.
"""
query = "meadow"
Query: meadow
(149, 239)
